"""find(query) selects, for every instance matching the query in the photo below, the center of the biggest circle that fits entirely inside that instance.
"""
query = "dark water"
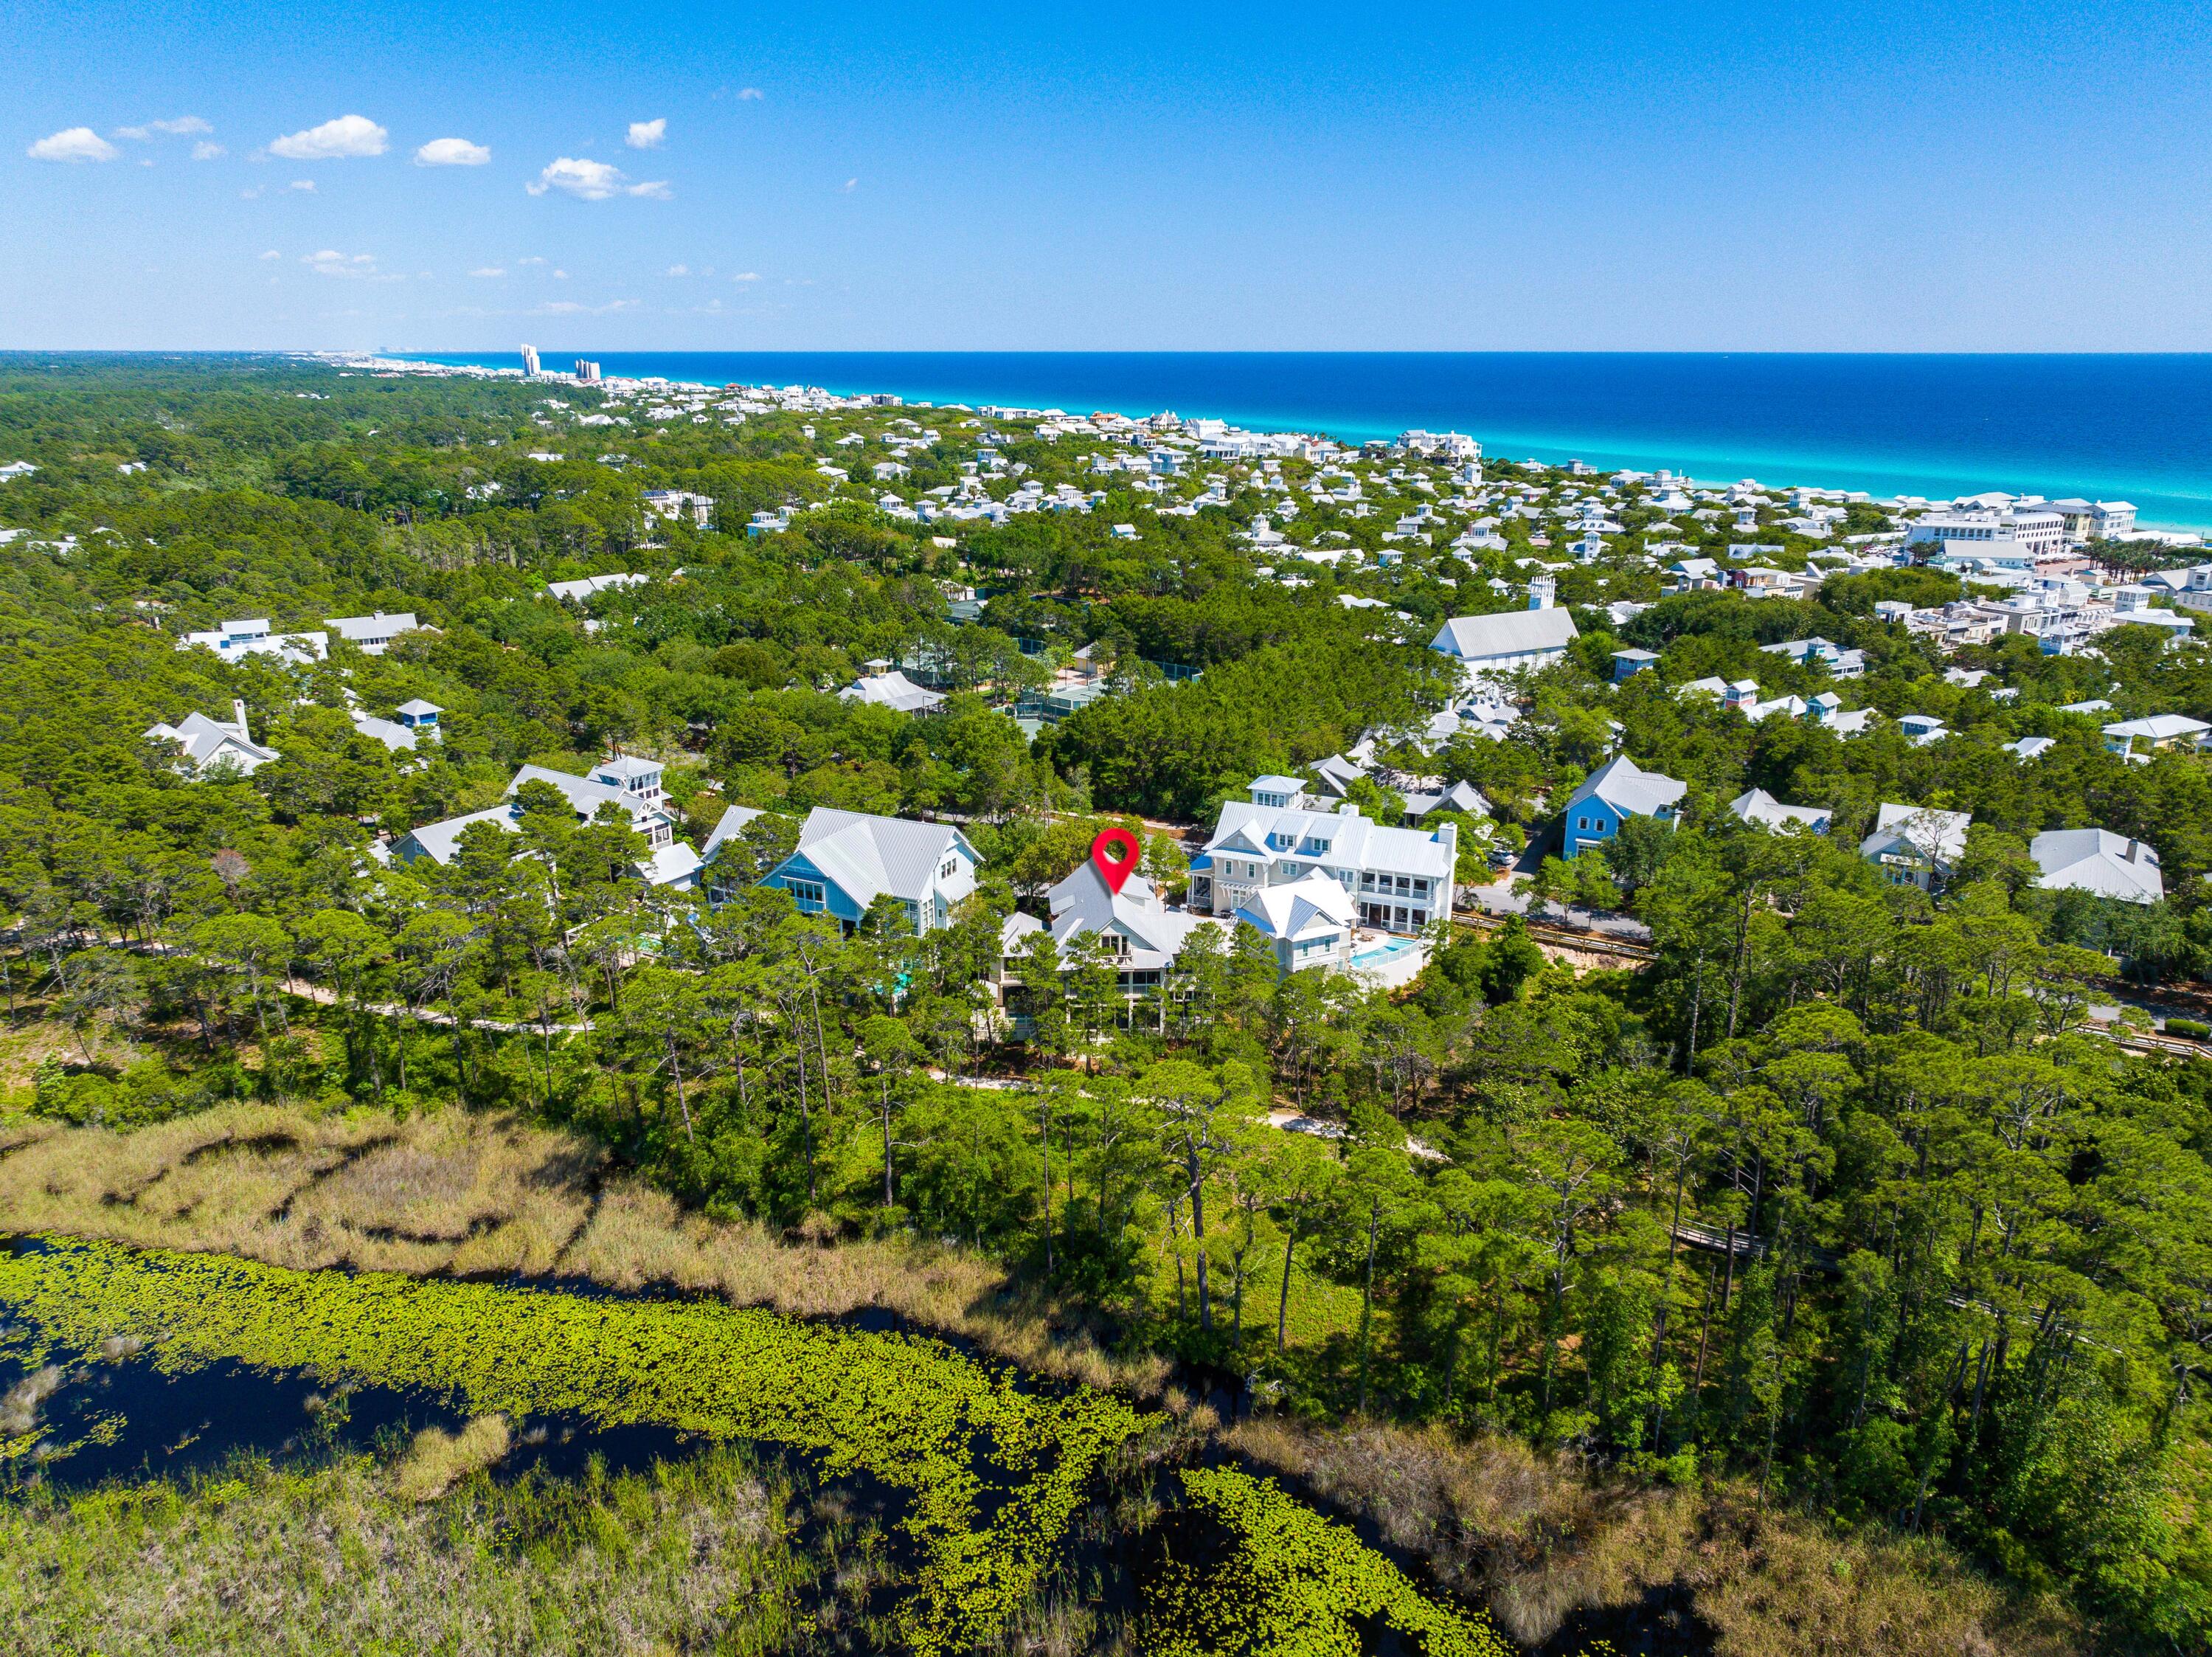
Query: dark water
(2138, 427)
(175, 1422)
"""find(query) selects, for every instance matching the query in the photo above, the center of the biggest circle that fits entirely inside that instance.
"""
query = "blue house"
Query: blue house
(847, 859)
(1615, 791)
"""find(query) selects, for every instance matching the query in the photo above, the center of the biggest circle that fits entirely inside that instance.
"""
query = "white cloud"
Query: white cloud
(74, 143)
(272, 253)
(534, 259)
(574, 307)
(206, 152)
(746, 275)
(306, 186)
(560, 275)
(751, 94)
(647, 135)
(184, 126)
(334, 140)
(332, 263)
(452, 152)
(851, 184)
(488, 270)
(680, 270)
(590, 181)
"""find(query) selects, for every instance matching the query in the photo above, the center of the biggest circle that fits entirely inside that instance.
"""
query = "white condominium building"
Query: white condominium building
(2015, 539)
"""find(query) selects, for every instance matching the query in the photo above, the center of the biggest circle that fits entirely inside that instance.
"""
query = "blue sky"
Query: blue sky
(1889, 177)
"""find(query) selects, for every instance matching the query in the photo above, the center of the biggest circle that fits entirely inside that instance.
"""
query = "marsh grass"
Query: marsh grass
(22, 1404)
(437, 1460)
(1542, 1542)
(705, 1553)
(457, 1192)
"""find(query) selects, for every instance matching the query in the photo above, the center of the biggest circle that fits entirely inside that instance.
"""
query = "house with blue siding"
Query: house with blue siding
(1619, 789)
(845, 859)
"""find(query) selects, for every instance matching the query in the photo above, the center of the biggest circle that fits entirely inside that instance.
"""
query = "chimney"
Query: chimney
(238, 718)
(2132, 844)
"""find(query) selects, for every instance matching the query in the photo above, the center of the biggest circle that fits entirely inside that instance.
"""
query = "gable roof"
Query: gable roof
(1462, 797)
(892, 690)
(390, 732)
(202, 741)
(1352, 840)
(1292, 911)
(1509, 632)
(1627, 787)
(1938, 836)
(1083, 902)
(587, 795)
(868, 856)
(439, 842)
(732, 823)
(1758, 806)
(2098, 861)
(2158, 728)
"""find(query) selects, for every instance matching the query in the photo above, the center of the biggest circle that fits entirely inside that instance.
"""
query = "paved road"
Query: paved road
(1509, 897)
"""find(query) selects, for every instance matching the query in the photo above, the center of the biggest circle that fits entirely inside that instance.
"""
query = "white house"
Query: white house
(893, 690)
(1142, 934)
(845, 859)
(584, 586)
(1841, 663)
(236, 640)
(209, 748)
(2156, 731)
(372, 634)
(1762, 810)
(627, 781)
(1307, 922)
(1399, 879)
(680, 503)
(1510, 641)
(1616, 790)
(2096, 860)
(1462, 797)
(1917, 845)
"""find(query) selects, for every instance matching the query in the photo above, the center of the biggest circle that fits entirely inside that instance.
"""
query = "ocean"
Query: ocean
(2136, 428)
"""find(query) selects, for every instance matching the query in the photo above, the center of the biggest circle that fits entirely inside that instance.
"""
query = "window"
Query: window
(807, 894)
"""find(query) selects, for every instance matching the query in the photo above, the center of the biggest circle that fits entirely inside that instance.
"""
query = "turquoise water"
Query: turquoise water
(1383, 952)
(2137, 428)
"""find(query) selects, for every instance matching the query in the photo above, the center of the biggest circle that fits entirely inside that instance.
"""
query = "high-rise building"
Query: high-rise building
(587, 369)
(530, 361)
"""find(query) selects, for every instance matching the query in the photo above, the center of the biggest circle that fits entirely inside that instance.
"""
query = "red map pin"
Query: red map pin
(1114, 855)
